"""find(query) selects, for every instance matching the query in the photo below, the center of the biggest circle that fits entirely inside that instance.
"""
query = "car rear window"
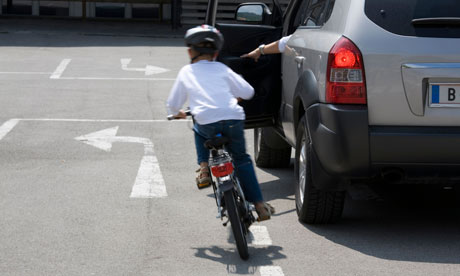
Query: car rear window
(424, 18)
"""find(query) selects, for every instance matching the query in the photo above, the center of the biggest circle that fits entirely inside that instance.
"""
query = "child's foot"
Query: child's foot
(203, 179)
(264, 211)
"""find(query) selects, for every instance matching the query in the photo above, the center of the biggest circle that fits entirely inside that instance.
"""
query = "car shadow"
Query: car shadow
(282, 187)
(406, 223)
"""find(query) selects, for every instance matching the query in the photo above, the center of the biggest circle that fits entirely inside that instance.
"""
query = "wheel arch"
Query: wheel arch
(306, 93)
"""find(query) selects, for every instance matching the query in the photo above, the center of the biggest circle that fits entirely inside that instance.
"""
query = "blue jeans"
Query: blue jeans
(234, 130)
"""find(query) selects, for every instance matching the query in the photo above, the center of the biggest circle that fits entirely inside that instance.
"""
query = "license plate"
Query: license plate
(445, 95)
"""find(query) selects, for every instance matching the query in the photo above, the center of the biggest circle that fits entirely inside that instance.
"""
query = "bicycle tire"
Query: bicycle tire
(237, 224)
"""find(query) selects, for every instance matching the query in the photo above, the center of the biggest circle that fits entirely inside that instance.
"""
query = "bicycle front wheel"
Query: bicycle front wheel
(237, 224)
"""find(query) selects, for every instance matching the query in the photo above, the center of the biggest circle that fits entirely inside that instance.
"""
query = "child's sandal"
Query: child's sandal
(266, 213)
(203, 181)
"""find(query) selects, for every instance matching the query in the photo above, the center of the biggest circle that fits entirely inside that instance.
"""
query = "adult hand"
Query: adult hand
(255, 55)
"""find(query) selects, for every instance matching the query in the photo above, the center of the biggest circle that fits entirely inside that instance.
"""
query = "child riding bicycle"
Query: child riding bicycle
(213, 91)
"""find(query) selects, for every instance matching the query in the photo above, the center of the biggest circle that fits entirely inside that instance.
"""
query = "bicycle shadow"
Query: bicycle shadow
(258, 256)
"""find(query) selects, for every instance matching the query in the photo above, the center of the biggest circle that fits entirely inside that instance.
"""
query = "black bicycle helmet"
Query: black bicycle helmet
(204, 39)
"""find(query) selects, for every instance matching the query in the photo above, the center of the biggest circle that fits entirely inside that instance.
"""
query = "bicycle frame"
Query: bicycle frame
(225, 179)
(229, 195)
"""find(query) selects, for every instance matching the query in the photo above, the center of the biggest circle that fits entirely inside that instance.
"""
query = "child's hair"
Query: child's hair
(202, 45)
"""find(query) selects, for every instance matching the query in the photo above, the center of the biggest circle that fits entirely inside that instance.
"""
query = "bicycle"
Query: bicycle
(228, 193)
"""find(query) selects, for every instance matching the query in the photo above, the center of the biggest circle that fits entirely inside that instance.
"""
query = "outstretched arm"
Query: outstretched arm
(272, 48)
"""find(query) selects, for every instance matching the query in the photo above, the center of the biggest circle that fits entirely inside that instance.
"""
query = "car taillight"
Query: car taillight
(345, 74)
(222, 169)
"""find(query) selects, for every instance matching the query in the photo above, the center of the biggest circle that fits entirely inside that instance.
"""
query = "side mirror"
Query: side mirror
(252, 13)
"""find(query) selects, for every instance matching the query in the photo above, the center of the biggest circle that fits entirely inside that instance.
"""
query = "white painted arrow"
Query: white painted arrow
(149, 181)
(149, 69)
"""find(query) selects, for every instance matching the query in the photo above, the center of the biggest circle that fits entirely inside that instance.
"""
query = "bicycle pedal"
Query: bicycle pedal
(203, 185)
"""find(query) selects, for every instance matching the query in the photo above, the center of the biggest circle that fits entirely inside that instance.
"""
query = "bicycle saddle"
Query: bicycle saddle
(216, 142)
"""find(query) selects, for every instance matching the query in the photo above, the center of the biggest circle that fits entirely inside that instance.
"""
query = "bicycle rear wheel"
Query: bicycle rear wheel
(237, 224)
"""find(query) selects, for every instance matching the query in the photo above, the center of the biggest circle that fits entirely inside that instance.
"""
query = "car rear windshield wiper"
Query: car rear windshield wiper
(444, 21)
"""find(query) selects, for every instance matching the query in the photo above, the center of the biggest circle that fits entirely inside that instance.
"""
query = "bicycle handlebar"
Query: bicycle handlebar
(172, 117)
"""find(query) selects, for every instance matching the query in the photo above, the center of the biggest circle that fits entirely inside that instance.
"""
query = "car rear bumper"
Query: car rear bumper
(346, 146)
(415, 145)
(340, 136)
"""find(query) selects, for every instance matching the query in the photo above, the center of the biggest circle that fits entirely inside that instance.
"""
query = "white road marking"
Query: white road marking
(102, 120)
(60, 69)
(149, 181)
(120, 79)
(149, 69)
(58, 77)
(100, 139)
(258, 235)
(271, 271)
(26, 73)
(7, 126)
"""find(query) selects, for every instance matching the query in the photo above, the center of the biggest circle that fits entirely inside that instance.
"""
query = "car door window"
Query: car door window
(312, 13)
(301, 14)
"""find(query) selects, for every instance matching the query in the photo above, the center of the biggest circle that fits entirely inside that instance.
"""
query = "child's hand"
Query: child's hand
(180, 115)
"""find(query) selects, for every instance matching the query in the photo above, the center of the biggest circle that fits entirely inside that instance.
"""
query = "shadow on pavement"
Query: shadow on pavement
(282, 187)
(411, 223)
(259, 256)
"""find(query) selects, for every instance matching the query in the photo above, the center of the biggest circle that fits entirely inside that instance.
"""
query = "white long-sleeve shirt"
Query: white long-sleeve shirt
(282, 43)
(211, 89)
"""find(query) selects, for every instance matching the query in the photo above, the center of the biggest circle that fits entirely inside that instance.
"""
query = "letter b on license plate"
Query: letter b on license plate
(445, 95)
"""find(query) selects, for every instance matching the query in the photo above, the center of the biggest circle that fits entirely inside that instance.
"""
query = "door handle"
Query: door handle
(299, 59)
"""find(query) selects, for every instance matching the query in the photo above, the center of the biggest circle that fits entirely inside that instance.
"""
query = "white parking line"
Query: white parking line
(26, 73)
(271, 271)
(121, 79)
(258, 235)
(60, 69)
(101, 120)
(6, 127)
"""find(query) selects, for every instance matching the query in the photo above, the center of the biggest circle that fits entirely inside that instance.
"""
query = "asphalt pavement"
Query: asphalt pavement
(95, 181)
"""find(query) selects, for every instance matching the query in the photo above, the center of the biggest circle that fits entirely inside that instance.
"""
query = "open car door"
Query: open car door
(242, 37)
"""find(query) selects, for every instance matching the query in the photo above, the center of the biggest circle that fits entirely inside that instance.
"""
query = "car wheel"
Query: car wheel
(267, 156)
(313, 206)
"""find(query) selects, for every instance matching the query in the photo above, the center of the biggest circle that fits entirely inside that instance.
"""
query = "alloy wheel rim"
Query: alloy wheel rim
(258, 137)
(302, 169)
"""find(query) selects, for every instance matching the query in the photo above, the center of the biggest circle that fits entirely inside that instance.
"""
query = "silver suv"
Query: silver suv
(366, 89)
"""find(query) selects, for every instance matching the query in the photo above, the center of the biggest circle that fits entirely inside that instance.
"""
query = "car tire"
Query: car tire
(270, 157)
(313, 206)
